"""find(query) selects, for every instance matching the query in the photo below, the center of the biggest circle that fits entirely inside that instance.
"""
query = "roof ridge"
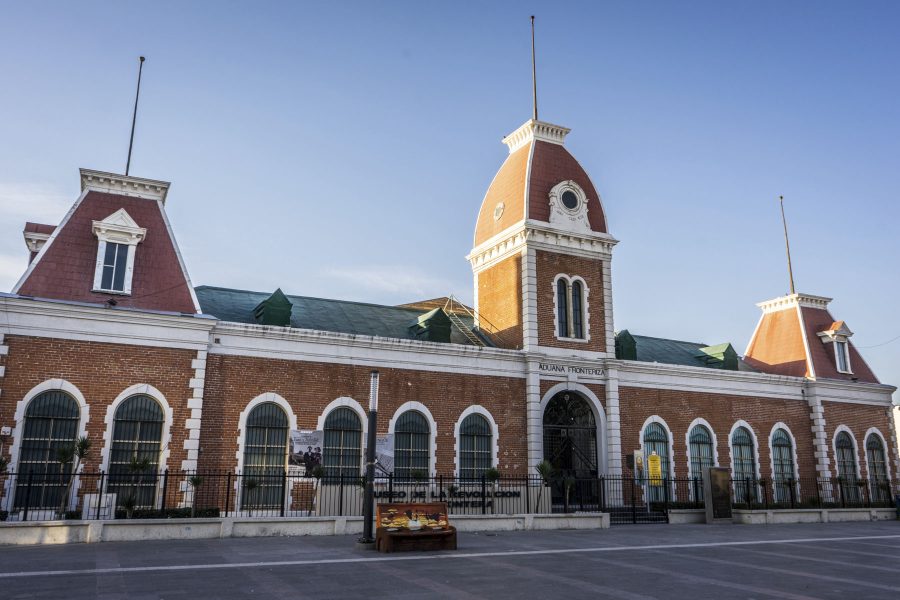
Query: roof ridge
(356, 302)
(653, 337)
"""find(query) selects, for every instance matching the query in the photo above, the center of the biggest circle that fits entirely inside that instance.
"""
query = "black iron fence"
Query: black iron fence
(279, 493)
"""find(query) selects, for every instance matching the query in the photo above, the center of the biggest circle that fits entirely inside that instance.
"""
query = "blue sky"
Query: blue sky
(343, 149)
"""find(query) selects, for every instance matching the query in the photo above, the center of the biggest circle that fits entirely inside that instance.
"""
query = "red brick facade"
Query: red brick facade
(548, 266)
(500, 301)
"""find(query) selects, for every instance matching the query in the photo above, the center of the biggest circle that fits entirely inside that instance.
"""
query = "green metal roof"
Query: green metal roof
(322, 314)
(678, 352)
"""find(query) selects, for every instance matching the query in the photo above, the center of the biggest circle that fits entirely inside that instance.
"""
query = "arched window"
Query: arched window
(570, 318)
(743, 457)
(701, 450)
(577, 310)
(879, 484)
(265, 456)
(562, 307)
(343, 443)
(51, 425)
(846, 467)
(783, 465)
(656, 441)
(475, 446)
(411, 446)
(135, 450)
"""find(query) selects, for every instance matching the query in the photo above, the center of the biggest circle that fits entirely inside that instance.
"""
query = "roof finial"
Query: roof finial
(134, 116)
(787, 244)
(533, 73)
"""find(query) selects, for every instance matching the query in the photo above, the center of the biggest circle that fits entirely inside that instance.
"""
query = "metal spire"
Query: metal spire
(134, 116)
(533, 73)
(787, 243)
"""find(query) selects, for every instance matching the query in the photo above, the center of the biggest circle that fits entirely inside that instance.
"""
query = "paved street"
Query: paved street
(795, 562)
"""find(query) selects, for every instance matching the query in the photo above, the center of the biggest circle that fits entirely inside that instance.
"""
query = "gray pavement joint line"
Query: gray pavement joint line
(327, 561)
(825, 561)
(845, 550)
(794, 573)
(706, 581)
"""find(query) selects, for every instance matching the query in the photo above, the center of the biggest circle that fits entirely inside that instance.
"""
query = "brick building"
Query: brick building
(105, 336)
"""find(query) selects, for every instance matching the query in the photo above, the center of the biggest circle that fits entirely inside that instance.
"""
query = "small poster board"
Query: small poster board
(638, 464)
(306, 449)
(717, 494)
(384, 453)
(654, 467)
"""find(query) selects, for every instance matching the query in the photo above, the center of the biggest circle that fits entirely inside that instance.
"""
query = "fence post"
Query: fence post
(791, 492)
(527, 495)
(843, 490)
(666, 498)
(483, 492)
(866, 492)
(165, 488)
(602, 494)
(819, 493)
(747, 492)
(341, 499)
(227, 493)
(765, 491)
(100, 495)
(391, 486)
(27, 495)
(633, 500)
(284, 490)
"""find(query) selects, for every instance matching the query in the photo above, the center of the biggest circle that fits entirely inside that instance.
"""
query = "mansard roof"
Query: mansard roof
(680, 352)
(323, 314)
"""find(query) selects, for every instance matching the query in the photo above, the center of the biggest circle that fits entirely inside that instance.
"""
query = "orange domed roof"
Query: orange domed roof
(520, 190)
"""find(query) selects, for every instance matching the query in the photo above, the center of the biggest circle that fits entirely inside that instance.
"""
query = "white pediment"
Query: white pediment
(119, 227)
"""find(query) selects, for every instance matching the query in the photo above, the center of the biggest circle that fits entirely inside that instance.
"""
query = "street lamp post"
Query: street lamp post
(369, 501)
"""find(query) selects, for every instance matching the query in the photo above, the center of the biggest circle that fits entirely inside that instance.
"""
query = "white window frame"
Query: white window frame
(117, 228)
(585, 312)
(842, 347)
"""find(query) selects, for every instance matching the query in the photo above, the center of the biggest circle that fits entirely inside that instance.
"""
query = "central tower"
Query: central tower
(542, 251)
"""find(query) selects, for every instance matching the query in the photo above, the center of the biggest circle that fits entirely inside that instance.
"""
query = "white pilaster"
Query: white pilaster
(613, 423)
(195, 403)
(894, 420)
(529, 300)
(534, 419)
(606, 265)
(820, 439)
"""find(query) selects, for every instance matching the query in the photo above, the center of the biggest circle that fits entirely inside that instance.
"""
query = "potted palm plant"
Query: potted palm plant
(546, 471)
(195, 481)
(72, 455)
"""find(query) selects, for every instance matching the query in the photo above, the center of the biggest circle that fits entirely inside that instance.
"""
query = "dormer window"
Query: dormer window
(117, 238)
(571, 302)
(838, 335)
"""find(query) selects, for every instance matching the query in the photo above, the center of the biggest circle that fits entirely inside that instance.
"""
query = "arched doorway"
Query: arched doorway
(570, 445)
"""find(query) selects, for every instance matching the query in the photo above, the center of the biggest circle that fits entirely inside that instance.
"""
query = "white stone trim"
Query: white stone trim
(575, 219)
(606, 273)
(809, 362)
(529, 300)
(356, 407)
(421, 408)
(526, 195)
(893, 417)
(817, 427)
(737, 424)
(194, 421)
(585, 308)
(112, 183)
(31, 266)
(534, 416)
(19, 417)
(776, 427)
(34, 241)
(599, 419)
(687, 442)
(885, 446)
(792, 300)
(613, 425)
(109, 423)
(837, 431)
(476, 409)
(535, 130)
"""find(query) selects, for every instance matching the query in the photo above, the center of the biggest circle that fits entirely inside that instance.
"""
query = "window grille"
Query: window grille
(51, 426)
(846, 465)
(657, 440)
(411, 446)
(265, 456)
(562, 307)
(701, 450)
(783, 463)
(475, 447)
(744, 465)
(343, 443)
(877, 463)
(135, 451)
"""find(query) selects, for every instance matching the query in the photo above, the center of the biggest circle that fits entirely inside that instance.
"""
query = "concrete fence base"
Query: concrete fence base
(63, 532)
(785, 516)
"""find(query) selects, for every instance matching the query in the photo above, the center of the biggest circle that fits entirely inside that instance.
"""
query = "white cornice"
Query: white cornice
(540, 235)
(81, 321)
(792, 300)
(111, 183)
(35, 241)
(119, 227)
(535, 130)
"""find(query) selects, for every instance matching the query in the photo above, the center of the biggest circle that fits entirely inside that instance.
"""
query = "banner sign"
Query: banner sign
(638, 465)
(307, 449)
(384, 453)
(654, 466)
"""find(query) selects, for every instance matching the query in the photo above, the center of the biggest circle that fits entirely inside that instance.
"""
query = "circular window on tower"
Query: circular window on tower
(570, 200)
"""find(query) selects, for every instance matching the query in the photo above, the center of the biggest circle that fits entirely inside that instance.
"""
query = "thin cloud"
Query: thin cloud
(401, 282)
(32, 202)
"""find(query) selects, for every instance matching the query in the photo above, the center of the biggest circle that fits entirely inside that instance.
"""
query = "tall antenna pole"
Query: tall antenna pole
(134, 116)
(787, 243)
(533, 72)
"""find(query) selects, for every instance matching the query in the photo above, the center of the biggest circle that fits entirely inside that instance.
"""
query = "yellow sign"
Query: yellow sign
(654, 466)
